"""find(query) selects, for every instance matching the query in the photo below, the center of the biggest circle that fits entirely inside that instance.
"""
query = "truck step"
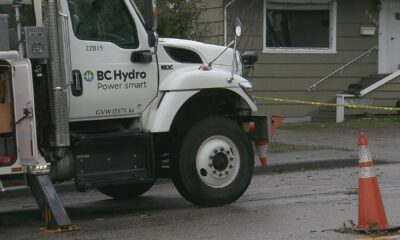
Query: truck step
(115, 158)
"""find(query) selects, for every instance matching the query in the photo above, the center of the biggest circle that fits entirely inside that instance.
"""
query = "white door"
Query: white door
(389, 36)
(24, 109)
(106, 83)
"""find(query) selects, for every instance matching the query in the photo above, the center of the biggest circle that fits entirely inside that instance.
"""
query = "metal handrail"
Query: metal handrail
(314, 85)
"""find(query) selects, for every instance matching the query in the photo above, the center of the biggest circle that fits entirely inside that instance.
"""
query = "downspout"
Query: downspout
(17, 7)
(226, 22)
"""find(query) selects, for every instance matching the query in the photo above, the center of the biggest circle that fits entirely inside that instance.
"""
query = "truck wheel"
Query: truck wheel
(126, 191)
(215, 163)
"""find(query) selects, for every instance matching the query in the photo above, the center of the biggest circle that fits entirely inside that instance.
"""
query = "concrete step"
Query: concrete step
(365, 82)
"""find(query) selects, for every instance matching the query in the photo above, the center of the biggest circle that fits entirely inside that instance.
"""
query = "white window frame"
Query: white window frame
(306, 5)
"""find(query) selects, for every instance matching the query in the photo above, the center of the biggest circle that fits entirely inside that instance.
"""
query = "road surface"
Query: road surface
(302, 195)
(282, 203)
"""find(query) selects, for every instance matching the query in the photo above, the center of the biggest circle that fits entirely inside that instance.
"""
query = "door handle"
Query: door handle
(76, 86)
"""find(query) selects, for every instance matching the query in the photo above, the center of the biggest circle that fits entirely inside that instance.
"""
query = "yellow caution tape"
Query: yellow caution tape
(328, 104)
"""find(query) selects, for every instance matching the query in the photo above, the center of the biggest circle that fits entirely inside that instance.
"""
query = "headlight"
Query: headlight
(247, 88)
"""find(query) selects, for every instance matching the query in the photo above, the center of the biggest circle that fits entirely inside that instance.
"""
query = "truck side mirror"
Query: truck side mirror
(150, 18)
(150, 15)
(152, 38)
(238, 27)
(141, 57)
(249, 58)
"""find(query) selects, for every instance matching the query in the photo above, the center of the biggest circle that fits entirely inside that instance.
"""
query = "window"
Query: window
(300, 26)
(103, 20)
(27, 14)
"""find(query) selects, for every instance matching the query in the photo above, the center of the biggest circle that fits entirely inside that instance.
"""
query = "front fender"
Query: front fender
(160, 115)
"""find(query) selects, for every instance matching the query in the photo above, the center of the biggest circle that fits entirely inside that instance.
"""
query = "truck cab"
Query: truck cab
(92, 95)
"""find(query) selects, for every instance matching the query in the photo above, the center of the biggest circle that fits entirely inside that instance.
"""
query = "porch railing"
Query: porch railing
(314, 85)
(341, 98)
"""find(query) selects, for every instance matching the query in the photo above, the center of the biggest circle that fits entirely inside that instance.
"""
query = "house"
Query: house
(313, 50)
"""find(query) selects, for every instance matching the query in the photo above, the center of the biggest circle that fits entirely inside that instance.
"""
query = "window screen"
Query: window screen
(103, 20)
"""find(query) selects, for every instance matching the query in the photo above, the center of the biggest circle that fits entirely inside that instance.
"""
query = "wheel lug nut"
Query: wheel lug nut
(231, 159)
(220, 174)
(226, 172)
(214, 172)
(230, 166)
(211, 157)
(215, 151)
(221, 149)
(228, 152)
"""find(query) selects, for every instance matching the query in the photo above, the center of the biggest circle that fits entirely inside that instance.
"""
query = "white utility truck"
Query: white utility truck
(89, 93)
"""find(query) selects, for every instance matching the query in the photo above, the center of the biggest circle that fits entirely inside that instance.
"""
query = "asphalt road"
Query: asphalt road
(285, 204)
(302, 195)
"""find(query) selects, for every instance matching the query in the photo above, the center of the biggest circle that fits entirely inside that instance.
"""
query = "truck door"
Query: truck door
(105, 82)
(24, 109)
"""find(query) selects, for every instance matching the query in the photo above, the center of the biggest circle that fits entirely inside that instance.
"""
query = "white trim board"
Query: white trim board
(333, 26)
(389, 44)
(380, 83)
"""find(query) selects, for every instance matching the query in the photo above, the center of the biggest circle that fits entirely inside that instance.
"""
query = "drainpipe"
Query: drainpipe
(17, 7)
(226, 22)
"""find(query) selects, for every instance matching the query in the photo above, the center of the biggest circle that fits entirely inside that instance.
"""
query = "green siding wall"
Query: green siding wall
(287, 75)
(212, 22)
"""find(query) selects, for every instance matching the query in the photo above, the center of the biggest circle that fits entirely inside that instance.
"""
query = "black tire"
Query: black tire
(126, 191)
(215, 163)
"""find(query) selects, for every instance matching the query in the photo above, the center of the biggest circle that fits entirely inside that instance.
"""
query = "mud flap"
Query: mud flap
(261, 129)
(256, 127)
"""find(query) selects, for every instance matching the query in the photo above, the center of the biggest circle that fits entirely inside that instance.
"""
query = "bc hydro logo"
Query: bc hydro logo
(88, 76)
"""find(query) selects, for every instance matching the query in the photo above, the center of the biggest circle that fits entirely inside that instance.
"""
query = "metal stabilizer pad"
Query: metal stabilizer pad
(47, 198)
(60, 229)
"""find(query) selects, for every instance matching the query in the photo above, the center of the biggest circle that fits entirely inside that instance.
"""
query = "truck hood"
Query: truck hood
(207, 52)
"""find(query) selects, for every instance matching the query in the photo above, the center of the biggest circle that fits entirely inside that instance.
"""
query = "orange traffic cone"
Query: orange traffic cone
(261, 145)
(262, 149)
(276, 121)
(371, 212)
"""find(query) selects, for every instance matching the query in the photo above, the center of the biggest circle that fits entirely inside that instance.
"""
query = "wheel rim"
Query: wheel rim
(218, 161)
